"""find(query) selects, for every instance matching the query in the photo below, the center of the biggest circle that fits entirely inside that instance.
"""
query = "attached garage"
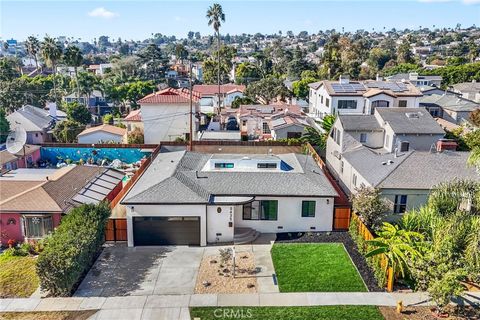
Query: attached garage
(155, 231)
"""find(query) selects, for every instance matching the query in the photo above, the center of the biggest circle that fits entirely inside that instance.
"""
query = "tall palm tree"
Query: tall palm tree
(32, 45)
(215, 18)
(51, 53)
(73, 57)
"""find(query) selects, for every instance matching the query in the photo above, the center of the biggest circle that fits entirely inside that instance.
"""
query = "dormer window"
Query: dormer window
(267, 165)
(224, 165)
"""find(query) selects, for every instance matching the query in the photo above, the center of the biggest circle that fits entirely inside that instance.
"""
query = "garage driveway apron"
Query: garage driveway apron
(138, 271)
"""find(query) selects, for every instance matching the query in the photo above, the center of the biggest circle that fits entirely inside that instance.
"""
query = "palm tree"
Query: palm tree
(398, 245)
(73, 57)
(51, 53)
(215, 18)
(32, 45)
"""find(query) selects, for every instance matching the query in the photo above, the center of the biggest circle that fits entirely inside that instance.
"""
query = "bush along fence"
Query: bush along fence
(360, 234)
(72, 249)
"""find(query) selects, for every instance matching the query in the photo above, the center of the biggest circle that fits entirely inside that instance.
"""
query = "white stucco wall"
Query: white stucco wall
(218, 227)
(167, 122)
(290, 216)
(96, 137)
(193, 210)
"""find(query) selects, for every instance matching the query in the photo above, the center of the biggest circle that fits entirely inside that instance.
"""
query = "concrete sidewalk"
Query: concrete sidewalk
(175, 307)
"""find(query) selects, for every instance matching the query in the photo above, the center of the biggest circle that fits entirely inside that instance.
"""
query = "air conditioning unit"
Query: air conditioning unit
(403, 146)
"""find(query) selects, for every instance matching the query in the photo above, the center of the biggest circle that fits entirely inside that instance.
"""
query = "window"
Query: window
(261, 210)
(38, 226)
(308, 209)
(244, 123)
(400, 205)
(327, 102)
(294, 135)
(267, 165)
(342, 164)
(380, 104)
(347, 104)
(336, 135)
(402, 103)
(266, 129)
(224, 165)
(363, 137)
(321, 99)
(354, 179)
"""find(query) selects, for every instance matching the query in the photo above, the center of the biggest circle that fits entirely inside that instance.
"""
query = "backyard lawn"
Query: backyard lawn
(18, 276)
(288, 313)
(319, 267)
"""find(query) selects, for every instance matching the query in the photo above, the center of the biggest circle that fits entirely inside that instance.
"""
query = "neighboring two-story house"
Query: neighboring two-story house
(416, 79)
(452, 108)
(209, 95)
(95, 102)
(166, 115)
(363, 150)
(360, 97)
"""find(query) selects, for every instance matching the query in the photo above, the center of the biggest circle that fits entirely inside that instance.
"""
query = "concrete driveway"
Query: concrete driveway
(123, 271)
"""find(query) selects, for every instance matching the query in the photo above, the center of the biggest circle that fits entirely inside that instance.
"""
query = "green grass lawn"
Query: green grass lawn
(288, 313)
(18, 276)
(322, 267)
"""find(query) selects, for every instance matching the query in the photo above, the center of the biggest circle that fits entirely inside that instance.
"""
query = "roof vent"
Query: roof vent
(384, 163)
(413, 115)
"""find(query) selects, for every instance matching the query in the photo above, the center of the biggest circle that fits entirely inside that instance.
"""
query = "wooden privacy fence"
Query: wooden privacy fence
(341, 218)
(382, 260)
(116, 230)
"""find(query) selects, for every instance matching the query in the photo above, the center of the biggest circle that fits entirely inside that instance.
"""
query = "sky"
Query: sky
(137, 20)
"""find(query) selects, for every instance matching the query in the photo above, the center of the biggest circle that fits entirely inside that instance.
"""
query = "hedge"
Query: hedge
(72, 248)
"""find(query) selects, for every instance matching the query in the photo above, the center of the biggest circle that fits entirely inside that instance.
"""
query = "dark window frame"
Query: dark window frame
(224, 165)
(347, 104)
(247, 214)
(307, 207)
(267, 165)
(400, 204)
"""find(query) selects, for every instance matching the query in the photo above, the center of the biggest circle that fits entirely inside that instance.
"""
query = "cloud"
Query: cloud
(103, 13)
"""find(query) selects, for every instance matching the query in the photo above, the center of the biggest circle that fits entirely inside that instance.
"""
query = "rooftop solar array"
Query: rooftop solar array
(351, 87)
(386, 85)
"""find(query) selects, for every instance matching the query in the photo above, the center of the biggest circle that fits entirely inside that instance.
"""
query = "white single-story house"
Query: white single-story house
(192, 198)
(103, 134)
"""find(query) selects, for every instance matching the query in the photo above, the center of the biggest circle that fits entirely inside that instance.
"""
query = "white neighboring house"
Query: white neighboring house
(209, 95)
(191, 198)
(166, 115)
(401, 151)
(360, 97)
(103, 134)
(416, 79)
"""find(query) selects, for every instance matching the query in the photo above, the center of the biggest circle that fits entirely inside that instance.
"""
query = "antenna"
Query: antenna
(16, 140)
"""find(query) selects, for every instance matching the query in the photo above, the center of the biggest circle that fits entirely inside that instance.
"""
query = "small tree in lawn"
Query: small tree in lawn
(367, 203)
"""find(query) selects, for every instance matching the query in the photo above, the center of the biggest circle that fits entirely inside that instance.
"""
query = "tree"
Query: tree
(67, 131)
(135, 137)
(475, 117)
(190, 35)
(238, 101)
(108, 119)
(87, 82)
(180, 52)
(301, 89)
(51, 53)
(210, 66)
(398, 245)
(32, 45)
(314, 137)
(8, 69)
(78, 113)
(4, 126)
(73, 57)
(246, 72)
(268, 89)
(367, 203)
(327, 122)
(215, 18)
(154, 60)
(404, 53)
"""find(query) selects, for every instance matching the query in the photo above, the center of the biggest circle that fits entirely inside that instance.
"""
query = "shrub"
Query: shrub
(136, 136)
(367, 203)
(71, 250)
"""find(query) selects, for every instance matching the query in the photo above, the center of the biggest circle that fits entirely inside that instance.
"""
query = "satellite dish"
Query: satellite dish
(16, 140)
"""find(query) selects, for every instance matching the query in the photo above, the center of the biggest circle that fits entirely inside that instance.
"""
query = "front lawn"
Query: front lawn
(319, 267)
(18, 276)
(288, 313)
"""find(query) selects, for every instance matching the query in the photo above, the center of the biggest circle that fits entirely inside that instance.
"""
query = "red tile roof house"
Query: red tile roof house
(33, 201)
(209, 95)
(264, 122)
(166, 114)
(9, 161)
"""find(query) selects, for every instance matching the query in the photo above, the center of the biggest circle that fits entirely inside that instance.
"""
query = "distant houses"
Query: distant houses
(451, 108)
(103, 134)
(209, 95)
(468, 90)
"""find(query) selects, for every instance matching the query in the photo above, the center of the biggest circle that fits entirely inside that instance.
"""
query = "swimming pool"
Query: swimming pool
(62, 154)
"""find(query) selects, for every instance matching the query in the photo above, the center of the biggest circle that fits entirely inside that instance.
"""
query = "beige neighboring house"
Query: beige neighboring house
(103, 134)
(134, 120)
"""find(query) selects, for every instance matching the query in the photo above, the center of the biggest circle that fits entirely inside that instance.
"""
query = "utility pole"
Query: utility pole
(191, 107)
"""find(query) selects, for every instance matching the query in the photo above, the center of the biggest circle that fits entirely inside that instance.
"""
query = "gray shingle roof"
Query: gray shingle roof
(398, 119)
(30, 118)
(450, 102)
(177, 177)
(359, 123)
(424, 170)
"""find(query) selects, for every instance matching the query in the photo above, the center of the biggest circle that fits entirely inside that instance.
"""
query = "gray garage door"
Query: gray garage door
(155, 231)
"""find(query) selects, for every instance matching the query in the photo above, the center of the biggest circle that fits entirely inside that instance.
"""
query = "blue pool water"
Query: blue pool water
(127, 155)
